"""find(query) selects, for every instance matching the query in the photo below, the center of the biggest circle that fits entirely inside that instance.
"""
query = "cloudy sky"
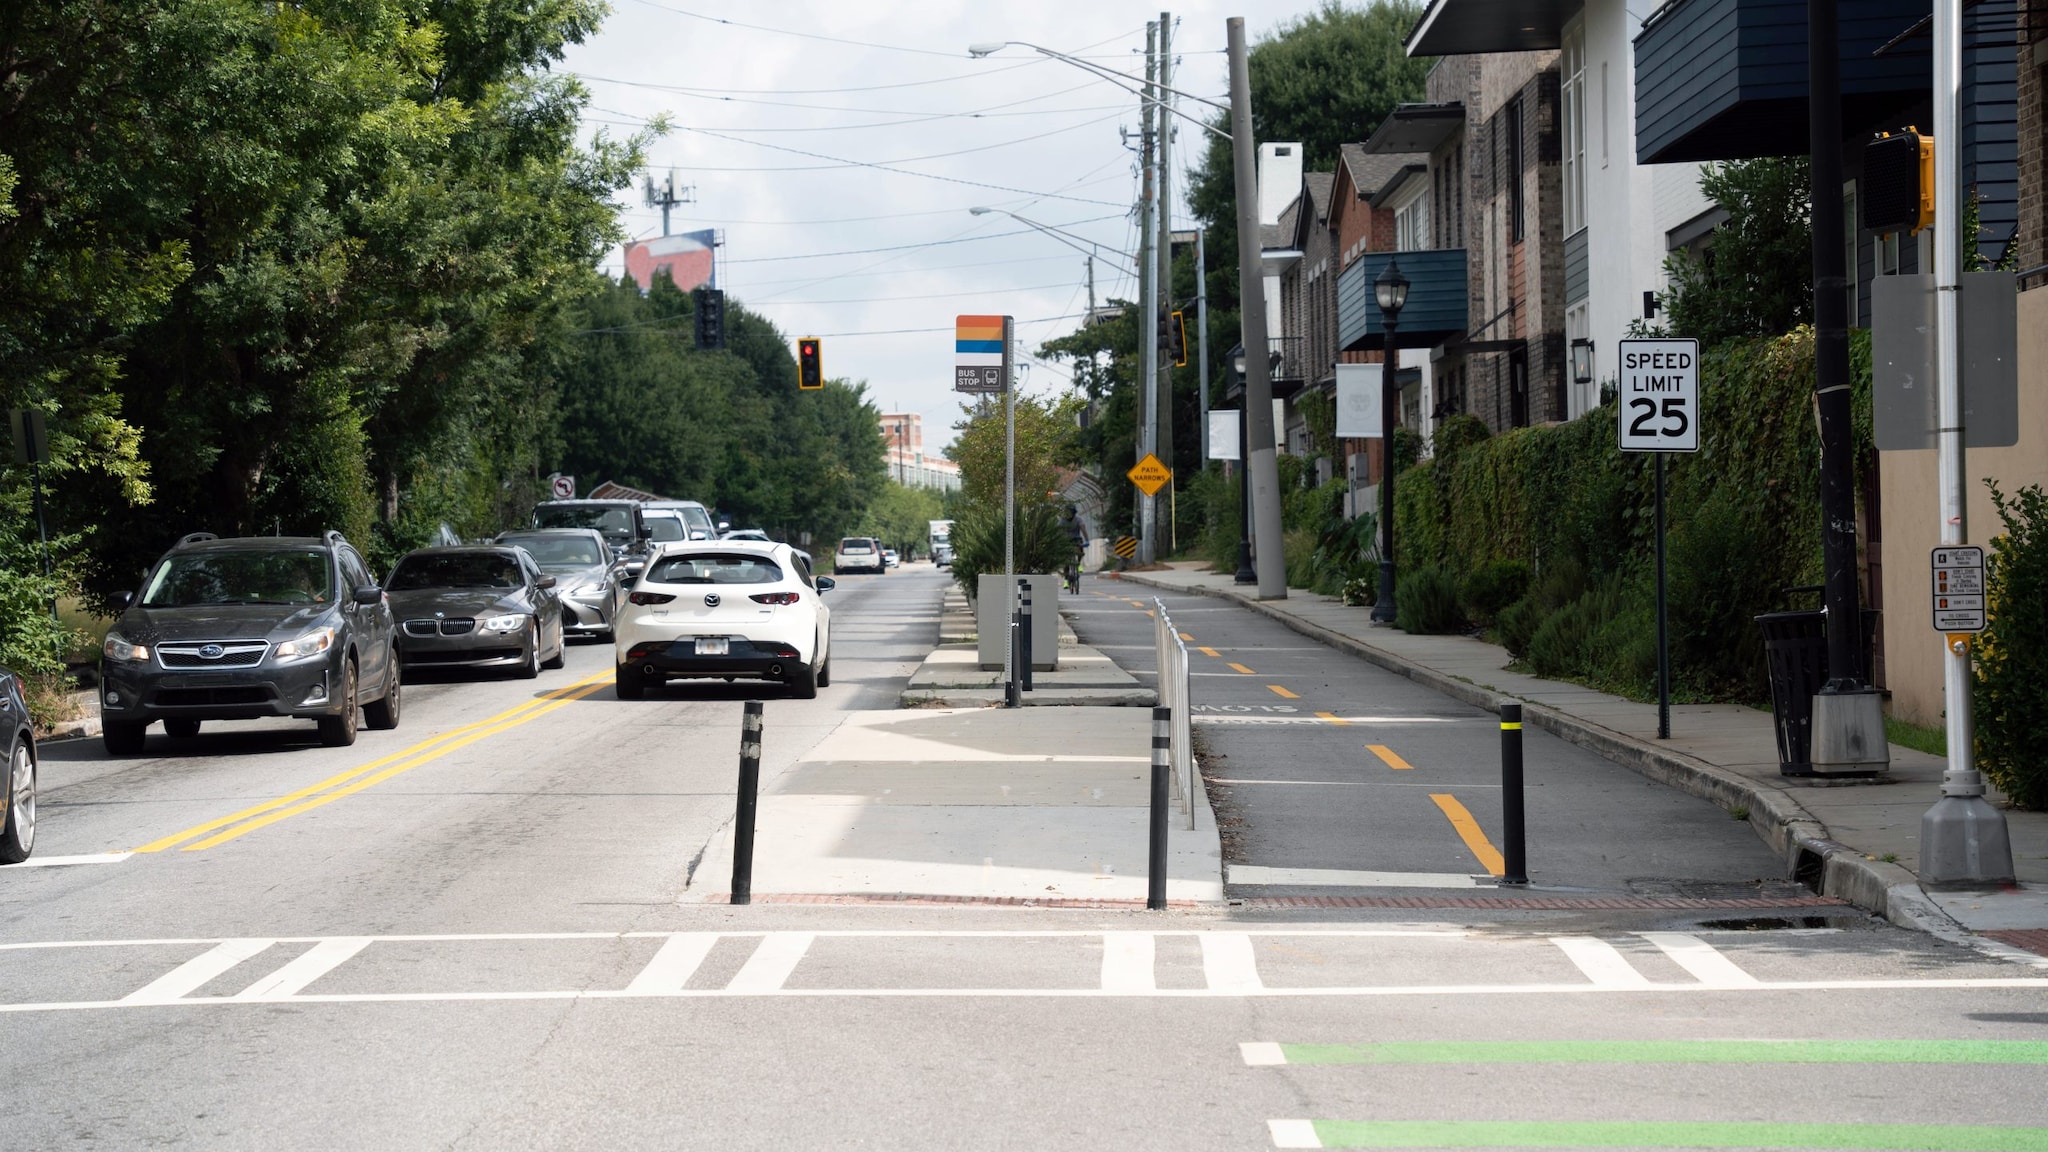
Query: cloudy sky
(839, 145)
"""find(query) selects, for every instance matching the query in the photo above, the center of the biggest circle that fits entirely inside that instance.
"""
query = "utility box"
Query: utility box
(992, 606)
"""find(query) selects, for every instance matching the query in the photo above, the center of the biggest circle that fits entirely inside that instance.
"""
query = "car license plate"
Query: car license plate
(714, 646)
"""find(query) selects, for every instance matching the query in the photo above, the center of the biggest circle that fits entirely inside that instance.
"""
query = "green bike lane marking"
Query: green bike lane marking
(1659, 1052)
(1627, 1134)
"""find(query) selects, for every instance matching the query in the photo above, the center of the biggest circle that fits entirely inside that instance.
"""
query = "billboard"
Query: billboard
(686, 255)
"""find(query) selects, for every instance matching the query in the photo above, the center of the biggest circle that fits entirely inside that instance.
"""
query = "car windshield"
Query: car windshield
(614, 522)
(856, 546)
(456, 570)
(559, 553)
(256, 576)
(715, 568)
(666, 528)
(697, 517)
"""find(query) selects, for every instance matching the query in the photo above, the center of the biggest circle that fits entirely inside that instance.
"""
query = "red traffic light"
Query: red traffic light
(810, 368)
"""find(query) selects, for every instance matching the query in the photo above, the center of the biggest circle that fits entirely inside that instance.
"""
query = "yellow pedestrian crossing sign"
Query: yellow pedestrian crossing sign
(1150, 475)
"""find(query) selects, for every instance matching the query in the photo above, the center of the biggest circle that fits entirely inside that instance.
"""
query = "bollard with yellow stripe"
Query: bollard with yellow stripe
(1514, 839)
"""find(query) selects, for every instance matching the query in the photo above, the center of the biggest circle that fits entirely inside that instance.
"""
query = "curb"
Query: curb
(1777, 817)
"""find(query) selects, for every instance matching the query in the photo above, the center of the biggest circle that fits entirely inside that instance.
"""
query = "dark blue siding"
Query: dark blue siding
(1436, 299)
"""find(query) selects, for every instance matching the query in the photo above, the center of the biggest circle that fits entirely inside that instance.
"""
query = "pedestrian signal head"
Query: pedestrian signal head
(810, 369)
(1898, 182)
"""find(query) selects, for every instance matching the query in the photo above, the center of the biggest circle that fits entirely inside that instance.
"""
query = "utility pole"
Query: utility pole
(1091, 291)
(1261, 465)
(1963, 838)
(1202, 345)
(1148, 297)
(1162, 407)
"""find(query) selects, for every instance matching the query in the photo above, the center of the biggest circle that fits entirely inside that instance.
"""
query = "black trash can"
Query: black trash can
(1796, 652)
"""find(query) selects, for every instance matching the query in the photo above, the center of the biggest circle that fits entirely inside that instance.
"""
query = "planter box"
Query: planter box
(992, 619)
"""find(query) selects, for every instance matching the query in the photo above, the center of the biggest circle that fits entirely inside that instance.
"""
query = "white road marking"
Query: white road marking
(1700, 958)
(773, 960)
(674, 963)
(64, 861)
(1294, 1134)
(1127, 962)
(1228, 964)
(1348, 878)
(1232, 718)
(193, 974)
(308, 966)
(1602, 964)
(1261, 1053)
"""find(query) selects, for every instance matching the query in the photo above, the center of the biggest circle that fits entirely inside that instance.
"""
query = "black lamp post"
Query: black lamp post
(1390, 291)
(1246, 574)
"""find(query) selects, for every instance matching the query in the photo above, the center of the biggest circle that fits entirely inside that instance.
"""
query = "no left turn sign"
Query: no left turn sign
(564, 487)
(1659, 393)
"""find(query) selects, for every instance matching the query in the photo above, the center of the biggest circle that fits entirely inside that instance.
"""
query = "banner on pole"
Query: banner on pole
(1358, 401)
(1223, 433)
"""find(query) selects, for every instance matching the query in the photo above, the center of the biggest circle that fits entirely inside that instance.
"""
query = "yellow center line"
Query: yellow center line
(1211, 653)
(1390, 758)
(1282, 691)
(1187, 638)
(1333, 718)
(406, 766)
(1243, 669)
(177, 838)
(1468, 830)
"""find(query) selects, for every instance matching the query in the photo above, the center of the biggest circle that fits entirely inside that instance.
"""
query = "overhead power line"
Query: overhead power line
(881, 166)
(908, 247)
(868, 163)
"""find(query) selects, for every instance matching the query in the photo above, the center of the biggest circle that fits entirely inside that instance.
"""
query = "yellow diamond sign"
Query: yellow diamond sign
(1150, 475)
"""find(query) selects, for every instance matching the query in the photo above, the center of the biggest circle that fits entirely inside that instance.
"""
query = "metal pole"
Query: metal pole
(1963, 838)
(743, 818)
(1514, 833)
(1148, 290)
(1663, 636)
(1162, 408)
(1011, 685)
(1262, 465)
(1162, 753)
(1246, 573)
(1025, 656)
(1202, 341)
(1383, 607)
(1009, 459)
(1831, 349)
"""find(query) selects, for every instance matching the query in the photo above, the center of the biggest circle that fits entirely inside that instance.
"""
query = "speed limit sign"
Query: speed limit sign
(1659, 396)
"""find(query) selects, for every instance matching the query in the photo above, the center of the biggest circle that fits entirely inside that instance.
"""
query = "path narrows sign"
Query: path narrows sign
(1659, 394)
(1150, 475)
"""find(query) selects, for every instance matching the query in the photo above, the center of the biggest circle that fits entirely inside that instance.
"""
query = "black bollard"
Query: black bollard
(1011, 684)
(743, 819)
(1514, 837)
(1024, 632)
(1162, 770)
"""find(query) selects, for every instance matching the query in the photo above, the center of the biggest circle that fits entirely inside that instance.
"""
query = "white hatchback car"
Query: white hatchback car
(726, 609)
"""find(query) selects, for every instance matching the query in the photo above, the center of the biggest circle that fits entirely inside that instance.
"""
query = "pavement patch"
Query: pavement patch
(1650, 1134)
(1655, 1052)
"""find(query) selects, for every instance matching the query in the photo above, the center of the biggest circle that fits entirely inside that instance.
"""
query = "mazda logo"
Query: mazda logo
(711, 599)
(211, 651)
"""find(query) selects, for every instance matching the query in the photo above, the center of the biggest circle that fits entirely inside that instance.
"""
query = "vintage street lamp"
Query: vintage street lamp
(1390, 291)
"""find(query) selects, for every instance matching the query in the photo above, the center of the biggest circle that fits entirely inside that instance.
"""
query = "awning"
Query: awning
(1470, 27)
(1416, 128)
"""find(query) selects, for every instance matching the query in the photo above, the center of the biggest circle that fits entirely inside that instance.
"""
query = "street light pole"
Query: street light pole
(1246, 574)
(1261, 466)
(1390, 292)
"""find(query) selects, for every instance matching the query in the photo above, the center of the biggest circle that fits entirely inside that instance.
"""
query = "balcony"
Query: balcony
(1726, 79)
(1437, 290)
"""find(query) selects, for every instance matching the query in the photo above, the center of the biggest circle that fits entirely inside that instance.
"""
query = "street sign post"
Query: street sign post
(1658, 404)
(1958, 589)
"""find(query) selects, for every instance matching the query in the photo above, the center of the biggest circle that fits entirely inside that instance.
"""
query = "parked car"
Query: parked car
(942, 555)
(586, 574)
(860, 554)
(18, 787)
(476, 608)
(746, 534)
(890, 559)
(245, 628)
(726, 609)
(618, 520)
(702, 525)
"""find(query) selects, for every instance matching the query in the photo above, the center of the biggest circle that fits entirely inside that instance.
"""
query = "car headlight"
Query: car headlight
(311, 644)
(504, 623)
(118, 649)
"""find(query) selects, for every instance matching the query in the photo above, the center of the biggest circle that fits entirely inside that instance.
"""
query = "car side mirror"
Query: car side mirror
(369, 594)
(724, 524)
(544, 582)
(826, 583)
(121, 600)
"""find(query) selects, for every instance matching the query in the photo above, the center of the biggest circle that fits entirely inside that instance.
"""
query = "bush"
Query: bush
(1516, 626)
(1300, 551)
(1493, 586)
(1518, 623)
(1041, 545)
(1426, 602)
(2008, 693)
(1567, 644)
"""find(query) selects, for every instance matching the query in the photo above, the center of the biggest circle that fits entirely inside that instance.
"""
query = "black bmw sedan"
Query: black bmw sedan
(476, 607)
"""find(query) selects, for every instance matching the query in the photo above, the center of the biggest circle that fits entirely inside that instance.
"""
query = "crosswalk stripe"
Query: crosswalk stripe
(674, 963)
(773, 960)
(1703, 960)
(1127, 964)
(1261, 1053)
(307, 967)
(1294, 1134)
(1601, 962)
(195, 973)
(1228, 963)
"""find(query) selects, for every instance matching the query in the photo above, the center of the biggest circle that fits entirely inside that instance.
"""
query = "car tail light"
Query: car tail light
(775, 598)
(646, 598)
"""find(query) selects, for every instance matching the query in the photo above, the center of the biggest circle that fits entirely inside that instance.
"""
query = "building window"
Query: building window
(1583, 397)
(1572, 95)
(1603, 113)
(1411, 220)
(1516, 214)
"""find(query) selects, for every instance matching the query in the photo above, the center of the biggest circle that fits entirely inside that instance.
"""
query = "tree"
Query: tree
(1757, 280)
(902, 516)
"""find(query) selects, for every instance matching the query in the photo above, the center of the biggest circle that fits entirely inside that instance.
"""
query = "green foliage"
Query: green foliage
(1562, 583)
(1491, 587)
(1426, 601)
(902, 517)
(2008, 693)
(1758, 278)
(1047, 441)
(1040, 544)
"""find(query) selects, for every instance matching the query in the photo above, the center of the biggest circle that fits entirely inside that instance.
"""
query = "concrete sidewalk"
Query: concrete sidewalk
(1014, 805)
(952, 675)
(1856, 841)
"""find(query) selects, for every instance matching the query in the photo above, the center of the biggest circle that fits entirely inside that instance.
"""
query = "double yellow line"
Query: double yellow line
(375, 772)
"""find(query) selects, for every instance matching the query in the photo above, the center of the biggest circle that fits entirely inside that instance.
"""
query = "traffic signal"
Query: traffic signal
(710, 318)
(1898, 182)
(1173, 338)
(810, 370)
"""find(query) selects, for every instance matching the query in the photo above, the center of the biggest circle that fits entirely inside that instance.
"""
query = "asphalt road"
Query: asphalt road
(480, 948)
